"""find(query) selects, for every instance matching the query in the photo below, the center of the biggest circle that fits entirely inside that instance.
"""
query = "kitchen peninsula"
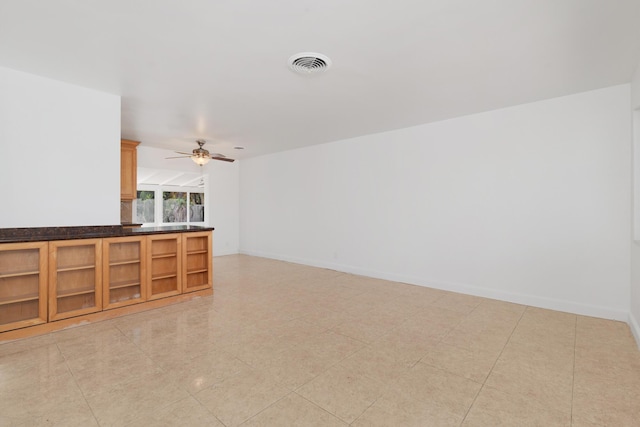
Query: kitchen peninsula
(53, 278)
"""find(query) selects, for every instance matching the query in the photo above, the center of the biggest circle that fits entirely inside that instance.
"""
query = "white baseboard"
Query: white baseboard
(531, 300)
(224, 253)
(635, 328)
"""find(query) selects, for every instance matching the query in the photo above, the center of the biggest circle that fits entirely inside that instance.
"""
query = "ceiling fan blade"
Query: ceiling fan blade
(177, 157)
(224, 159)
(186, 154)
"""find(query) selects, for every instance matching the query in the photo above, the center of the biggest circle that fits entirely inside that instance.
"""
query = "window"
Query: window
(196, 207)
(145, 207)
(175, 207)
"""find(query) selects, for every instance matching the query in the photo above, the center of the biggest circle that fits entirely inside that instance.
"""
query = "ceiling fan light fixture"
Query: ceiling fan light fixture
(200, 156)
(200, 160)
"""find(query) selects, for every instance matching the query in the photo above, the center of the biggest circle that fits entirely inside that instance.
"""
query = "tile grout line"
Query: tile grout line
(324, 410)
(139, 349)
(146, 355)
(194, 397)
(190, 395)
(368, 407)
(263, 409)
(494, 365)
(444, 337)
(75, 381)
(366, 345)
(420, 359)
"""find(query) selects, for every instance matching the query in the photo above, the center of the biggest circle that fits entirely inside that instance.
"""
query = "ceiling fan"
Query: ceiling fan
(201, 156)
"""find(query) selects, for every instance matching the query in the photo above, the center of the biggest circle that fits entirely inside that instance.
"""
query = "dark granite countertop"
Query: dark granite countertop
(38, 234)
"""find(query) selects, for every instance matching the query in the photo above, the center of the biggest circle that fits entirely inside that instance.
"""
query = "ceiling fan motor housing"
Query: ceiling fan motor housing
(201, 156)
(200, 152)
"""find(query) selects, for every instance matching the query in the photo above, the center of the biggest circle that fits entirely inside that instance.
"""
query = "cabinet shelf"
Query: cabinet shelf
(127, 262)
(23, 285)
(202, 270)
(74, 292)
(124, 284)
(76, 268)
(19, 274)
(164, 265)
(197, 262)
(164, 276)
(75, 278)
(199, 251)
(124, 271)
(168, 255)
(23, 298)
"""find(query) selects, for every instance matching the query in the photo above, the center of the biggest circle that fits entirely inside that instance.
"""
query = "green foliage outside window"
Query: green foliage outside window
(177, 206)
(174, 206)
(145, 207)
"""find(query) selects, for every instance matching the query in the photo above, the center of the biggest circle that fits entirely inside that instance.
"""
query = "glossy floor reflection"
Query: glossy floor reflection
(282, 344)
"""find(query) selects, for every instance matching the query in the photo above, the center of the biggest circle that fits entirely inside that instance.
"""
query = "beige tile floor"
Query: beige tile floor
(281, 344)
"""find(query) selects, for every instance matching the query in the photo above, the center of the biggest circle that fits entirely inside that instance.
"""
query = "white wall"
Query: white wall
(635, 88)
(222, 205)
(634, 317)
(59, 153)
(529, 204)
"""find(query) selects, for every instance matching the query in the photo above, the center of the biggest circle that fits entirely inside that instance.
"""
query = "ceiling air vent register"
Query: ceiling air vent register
(309, 63)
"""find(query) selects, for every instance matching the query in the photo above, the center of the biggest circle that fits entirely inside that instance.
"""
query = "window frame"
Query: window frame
(158, 207)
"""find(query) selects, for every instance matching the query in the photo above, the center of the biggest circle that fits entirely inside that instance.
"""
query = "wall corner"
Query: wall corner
(635, 328)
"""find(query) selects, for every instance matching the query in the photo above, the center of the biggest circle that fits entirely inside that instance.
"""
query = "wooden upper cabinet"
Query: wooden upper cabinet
(128, 169)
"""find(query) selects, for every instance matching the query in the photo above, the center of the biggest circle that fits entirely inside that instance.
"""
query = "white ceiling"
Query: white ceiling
(218, 69)
(171, 178)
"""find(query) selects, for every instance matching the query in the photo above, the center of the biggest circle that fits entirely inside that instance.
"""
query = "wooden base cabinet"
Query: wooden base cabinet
(23, 285)
(75, 278)
(164, 265)
(51, 285)
(124, 271)
(197, 261)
